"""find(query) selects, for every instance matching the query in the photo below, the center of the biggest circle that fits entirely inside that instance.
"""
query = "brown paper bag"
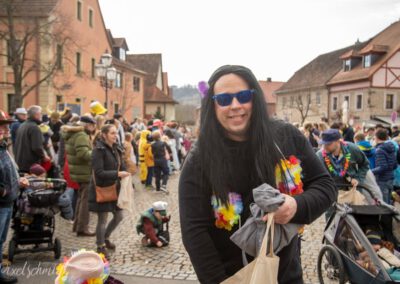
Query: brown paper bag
(264, 268)
(352, 196)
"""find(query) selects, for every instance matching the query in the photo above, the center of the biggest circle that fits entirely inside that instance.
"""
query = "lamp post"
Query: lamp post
(107, 73)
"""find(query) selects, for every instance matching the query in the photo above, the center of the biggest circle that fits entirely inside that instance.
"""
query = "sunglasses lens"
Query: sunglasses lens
(244, 96)
(224, 99)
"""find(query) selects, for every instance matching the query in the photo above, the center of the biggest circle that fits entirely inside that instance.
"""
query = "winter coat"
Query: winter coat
(9, 178)
(14, 128)
(385, 162)
(145, 153)
(128, 157)
(79, 152)
(105, 161)
(369, 151)
(28, 147)
(159, 149)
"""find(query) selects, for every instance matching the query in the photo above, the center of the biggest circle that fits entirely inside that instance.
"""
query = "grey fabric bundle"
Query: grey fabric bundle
(249, 237)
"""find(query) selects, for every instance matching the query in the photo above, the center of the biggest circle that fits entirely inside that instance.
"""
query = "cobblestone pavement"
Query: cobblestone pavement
(171, 262)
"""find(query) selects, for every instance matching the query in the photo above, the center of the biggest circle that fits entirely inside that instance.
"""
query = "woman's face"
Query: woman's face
(111, 136)
(235, 118)
(4, 131)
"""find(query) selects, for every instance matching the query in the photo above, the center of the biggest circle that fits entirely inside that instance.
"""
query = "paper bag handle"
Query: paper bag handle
(270, 228)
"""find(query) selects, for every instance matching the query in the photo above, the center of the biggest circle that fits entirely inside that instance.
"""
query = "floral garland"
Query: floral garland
(290, 182)
(331, 168)
(63, 277)
(227, 216)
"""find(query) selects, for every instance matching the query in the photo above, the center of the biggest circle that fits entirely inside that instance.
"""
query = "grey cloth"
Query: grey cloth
(249, 237)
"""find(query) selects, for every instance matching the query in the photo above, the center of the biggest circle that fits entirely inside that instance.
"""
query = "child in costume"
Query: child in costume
(146, 159)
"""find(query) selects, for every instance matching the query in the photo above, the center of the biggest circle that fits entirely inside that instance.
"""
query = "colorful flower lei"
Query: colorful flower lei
(347, 158)
(227, 216)
(63, 277)
(290, 182)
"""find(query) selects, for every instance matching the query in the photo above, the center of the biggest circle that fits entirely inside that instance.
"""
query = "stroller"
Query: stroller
(33, 221)
(347, 255)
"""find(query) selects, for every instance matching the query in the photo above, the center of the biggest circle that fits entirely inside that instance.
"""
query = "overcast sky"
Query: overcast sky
(273, 38)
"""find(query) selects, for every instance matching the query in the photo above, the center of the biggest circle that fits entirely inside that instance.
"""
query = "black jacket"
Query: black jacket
(158, 149)
(213, 255)
(28, 147)
(105, 161)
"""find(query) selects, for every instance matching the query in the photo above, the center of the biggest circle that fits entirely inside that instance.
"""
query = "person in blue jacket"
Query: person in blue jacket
(385, 163)
(365, 146)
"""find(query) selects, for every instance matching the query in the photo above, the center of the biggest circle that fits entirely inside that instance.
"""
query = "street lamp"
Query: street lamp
(107, 73)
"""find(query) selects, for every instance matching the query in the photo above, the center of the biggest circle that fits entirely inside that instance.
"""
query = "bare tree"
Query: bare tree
(23, 34)
(303, 103)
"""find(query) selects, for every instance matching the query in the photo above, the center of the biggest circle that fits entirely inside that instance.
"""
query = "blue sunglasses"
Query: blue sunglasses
(225, 99)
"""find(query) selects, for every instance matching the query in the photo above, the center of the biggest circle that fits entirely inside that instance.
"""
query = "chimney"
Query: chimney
(269, 79)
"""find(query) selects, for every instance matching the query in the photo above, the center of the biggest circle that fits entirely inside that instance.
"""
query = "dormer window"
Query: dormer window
(122, 54)
(367, 60)
(347, 65)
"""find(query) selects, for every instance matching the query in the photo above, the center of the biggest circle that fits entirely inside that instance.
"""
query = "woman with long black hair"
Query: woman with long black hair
(240, 148)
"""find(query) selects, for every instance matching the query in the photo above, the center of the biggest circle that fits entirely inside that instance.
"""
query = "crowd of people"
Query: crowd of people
(90, 151)
(367, 156)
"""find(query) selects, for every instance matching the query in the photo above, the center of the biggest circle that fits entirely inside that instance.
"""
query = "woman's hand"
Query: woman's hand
(285, 212)
(123, 174)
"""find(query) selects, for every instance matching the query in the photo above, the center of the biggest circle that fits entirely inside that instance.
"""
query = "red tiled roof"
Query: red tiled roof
(269, 89)
(350, 54)
(155, 95)
(30, 8)
(387, 41)
(149, 63)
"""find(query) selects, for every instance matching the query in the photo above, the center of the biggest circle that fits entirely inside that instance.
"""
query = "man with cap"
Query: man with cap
(28, 147)
(78, 148)
(150, 224)
(20, 115)
(9, 187)
(344, 160)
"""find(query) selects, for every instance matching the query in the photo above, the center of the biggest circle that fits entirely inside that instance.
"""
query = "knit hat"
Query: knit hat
(37, 170)
(97, 108)
(160, 206)
(83, 267)
(374, 237)
(20, 110)
(88, 119)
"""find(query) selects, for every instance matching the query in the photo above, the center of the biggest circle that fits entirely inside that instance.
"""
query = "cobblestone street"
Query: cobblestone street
(171, 262)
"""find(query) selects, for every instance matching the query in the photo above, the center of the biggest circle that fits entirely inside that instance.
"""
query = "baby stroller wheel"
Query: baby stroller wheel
(12, 246)
(57, 248)
(330, 266)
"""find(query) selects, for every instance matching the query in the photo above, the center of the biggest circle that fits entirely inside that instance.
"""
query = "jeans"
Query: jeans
(149, 179)
(161, 171)
(73, 196)
(386, 188)
(5, 218)
(103, 233)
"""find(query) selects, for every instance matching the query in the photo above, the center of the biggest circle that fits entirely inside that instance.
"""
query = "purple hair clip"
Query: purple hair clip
(203, 89)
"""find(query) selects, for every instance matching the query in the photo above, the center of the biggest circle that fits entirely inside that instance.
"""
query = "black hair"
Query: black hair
(213, 153)
(382, 134)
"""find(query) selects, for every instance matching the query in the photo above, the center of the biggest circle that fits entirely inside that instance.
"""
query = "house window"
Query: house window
(283, 102)
(136, 84)
(10, 56)
(367, 60)
(93, 73)
(359, 102)
(91, 18)
(116, 108)
(78, 63)
(59, 59)
(118, 80)
(318, 98)
(347, 99)
(122, 54)
(291, 101)
(389, 101)
(59, 98)
(10, 102)
(335, 103)
(347, 65)
(79, 10)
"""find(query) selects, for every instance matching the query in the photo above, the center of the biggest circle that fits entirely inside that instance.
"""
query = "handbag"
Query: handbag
(106, 193)
(264, 268)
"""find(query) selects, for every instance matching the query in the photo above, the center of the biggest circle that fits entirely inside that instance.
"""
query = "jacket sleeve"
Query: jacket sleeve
(149, 231)
(83, 148)
(196, 219)
(98, 167)
(381, 164)
(36, 141)
(319, 190)
(362, 162)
